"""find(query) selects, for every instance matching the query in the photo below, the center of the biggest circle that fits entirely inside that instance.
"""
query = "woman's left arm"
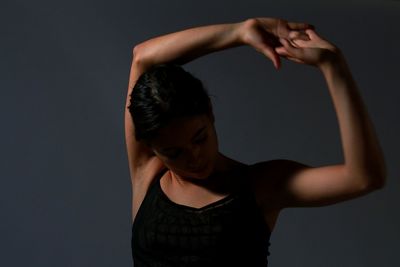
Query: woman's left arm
(295, 184)
(363, 155)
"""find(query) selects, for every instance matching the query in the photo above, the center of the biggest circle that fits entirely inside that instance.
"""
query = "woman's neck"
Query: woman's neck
(222, 176)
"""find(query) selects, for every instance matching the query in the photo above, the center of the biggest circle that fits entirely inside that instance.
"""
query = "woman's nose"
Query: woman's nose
(193, 159)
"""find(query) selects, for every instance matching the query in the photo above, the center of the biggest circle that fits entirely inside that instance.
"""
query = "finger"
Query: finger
(295, 60)
(272, 55)
(300, 26)
(313, 35)
(288, 56)
(292, 51)
(298, 35)
(300, 43)
(289, 47)
(282, 51)
(292, 43)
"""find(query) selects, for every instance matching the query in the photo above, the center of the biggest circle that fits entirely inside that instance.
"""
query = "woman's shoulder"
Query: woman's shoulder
(270, 169)
(254, 170)
(269, 178)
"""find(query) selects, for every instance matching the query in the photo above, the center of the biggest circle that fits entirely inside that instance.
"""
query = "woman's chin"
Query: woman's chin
(202, 173)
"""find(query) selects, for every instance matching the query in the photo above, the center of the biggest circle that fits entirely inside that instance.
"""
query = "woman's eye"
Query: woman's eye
(201, 140)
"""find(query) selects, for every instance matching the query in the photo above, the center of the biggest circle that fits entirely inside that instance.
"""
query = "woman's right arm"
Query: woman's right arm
(183, 46)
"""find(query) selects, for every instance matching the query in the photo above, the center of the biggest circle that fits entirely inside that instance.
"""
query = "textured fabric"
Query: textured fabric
(228, 232)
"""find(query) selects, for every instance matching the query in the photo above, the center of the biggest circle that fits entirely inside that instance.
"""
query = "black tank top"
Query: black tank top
(228, 232)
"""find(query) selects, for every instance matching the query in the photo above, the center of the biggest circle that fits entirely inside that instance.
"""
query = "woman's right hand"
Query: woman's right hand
(263, 35)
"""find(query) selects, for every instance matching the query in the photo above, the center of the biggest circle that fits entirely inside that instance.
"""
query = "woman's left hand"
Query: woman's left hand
(316, 51)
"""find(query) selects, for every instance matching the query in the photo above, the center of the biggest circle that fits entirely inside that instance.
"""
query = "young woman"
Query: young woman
(194, 206)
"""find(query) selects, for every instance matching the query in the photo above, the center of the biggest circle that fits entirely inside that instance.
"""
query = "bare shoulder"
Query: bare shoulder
(269, 169)
(268, 178)
(286, 183)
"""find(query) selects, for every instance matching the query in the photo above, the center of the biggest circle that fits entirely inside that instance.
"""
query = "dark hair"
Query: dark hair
(162, 93)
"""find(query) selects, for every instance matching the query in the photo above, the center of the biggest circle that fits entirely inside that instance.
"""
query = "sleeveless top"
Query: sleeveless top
(228, 232)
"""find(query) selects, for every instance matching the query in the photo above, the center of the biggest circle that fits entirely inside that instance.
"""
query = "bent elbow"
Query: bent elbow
(373, 178)
(376, 183)
(379, 180)
(141, 61)
(137, 54)
(380, 184)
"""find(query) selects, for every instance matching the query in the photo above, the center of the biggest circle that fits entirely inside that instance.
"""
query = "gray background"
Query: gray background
(65, 195)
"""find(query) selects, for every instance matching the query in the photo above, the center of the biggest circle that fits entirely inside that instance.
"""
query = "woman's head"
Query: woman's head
(172, 114)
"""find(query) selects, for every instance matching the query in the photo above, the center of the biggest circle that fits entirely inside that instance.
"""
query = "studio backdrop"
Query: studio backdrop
(65, 192)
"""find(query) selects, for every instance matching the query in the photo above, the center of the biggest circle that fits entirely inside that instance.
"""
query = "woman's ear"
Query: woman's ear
(210, 111)
(212, 117)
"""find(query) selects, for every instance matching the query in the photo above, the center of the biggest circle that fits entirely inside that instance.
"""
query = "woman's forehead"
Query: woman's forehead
(180, 131)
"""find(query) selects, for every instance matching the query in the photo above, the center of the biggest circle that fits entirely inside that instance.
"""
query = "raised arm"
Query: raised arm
(364, 167)
(183, 46)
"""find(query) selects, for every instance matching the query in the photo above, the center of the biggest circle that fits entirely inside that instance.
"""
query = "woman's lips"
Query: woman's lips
(202, 168)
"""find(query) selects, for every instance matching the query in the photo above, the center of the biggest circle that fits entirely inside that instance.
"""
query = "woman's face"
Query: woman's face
(188, 146)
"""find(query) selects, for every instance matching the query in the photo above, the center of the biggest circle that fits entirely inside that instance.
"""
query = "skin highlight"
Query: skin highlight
(279, 183)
